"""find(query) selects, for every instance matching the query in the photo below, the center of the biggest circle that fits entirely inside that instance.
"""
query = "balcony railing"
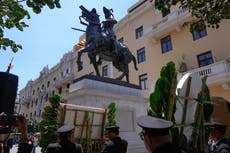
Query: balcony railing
(218, 73)
(65, 79)
(172, 21)
(27, 99)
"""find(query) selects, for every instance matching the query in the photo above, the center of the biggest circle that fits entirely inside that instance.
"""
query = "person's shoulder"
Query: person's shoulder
(53, 145)
(110, 142)
(74, 145)
(77, 145)
(185, 151)
(224, 142)
(172, 148)
(224, 145)
(227, 141)
(124, 141)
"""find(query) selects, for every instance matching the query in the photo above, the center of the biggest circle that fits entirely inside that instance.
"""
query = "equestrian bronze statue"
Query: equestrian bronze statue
(101, 41)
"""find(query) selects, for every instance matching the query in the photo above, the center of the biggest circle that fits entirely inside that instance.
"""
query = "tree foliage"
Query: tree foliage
(48, 124)
(111, 115)
(211, 11)
(12, 14)
(159, 99)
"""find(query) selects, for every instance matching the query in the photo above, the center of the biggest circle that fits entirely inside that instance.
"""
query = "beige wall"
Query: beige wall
(182, 41)
(219, 91)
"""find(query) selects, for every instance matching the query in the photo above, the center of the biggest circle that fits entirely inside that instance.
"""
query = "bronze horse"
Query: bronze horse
(98, 43)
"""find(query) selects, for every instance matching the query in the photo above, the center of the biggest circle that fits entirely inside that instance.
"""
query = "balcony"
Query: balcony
(172, 21)
(64, 80)
(218, 73)
(26, 100)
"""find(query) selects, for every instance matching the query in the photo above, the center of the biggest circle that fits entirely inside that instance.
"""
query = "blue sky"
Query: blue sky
(49, 36)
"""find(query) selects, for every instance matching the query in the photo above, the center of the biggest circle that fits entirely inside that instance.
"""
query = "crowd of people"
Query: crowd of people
(155, 134)
(25, 145)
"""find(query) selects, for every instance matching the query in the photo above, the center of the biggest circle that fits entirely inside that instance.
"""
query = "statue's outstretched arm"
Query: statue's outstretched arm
(82, 21)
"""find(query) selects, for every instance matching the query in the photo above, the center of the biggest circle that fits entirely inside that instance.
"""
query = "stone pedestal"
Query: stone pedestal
(93, 91)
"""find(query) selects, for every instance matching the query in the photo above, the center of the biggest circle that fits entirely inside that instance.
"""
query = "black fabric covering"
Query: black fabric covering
(8, 92)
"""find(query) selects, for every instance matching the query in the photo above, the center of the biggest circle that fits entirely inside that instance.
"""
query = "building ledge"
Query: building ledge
(173, 21)
(218, 73)
(66, 79)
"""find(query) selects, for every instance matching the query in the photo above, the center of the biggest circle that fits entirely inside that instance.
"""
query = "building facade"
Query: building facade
(34, 97)
(154, 39)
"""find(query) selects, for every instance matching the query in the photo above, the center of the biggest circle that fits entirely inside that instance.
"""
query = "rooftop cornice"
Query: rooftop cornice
(134, 14)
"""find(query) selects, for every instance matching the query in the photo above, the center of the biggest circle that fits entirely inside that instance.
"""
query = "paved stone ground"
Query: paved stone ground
(15, 149)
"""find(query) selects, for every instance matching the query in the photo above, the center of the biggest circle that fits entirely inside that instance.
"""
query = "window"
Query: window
(143, 79)
(47, 97)
(139, 32)
(105, 71)
(141, 55)
(121, 40)
(205, 59)
(166, 44)
(202, 31)
(60, 90)
(48, 84)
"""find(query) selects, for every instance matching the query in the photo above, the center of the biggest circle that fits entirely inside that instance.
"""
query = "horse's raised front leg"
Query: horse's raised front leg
(79, 62)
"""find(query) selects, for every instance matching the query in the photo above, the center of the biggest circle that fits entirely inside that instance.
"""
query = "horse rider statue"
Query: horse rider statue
(101, 42)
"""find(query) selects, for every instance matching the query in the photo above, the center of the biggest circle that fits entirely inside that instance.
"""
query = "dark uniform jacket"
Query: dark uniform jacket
(25, 148)
(223, 146)
(168, 148)
(63, 147)
(115, 145)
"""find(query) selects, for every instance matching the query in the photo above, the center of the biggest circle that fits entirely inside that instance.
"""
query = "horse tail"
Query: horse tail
(134, 62)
